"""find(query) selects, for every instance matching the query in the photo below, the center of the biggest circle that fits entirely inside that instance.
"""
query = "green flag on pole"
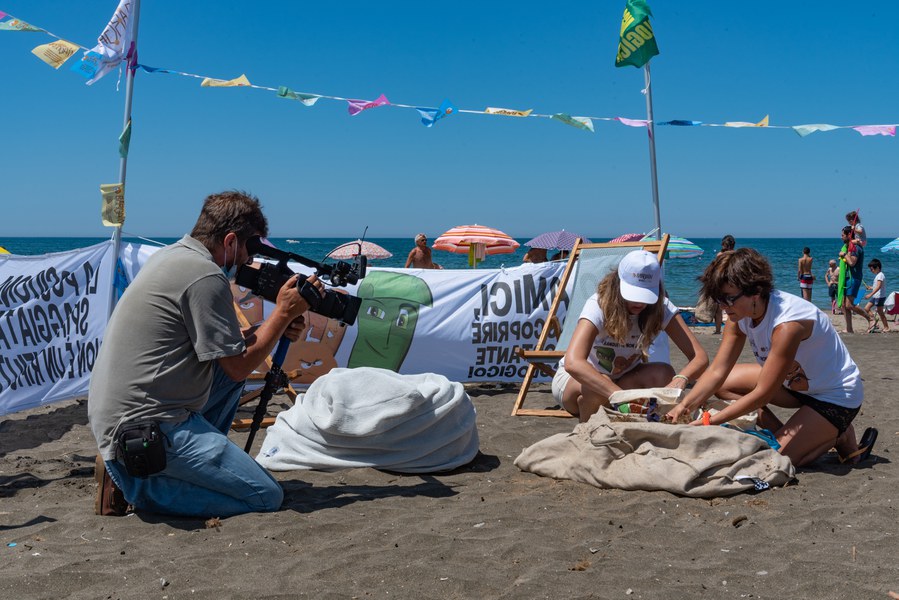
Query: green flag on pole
(638, 43)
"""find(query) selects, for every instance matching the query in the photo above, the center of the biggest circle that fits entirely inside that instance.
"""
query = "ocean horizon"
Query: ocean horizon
(680, 274)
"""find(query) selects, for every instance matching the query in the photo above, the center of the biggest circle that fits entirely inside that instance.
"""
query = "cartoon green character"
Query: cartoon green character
(387, 318)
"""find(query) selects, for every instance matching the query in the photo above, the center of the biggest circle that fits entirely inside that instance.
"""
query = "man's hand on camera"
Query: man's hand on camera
(290, 300)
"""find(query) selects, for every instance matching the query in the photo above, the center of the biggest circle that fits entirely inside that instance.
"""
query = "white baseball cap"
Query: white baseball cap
(640, 276)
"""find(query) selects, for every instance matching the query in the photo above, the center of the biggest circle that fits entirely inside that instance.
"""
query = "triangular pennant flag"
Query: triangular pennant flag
(113, 46)
(113, 210)
(357, 106)
(681, 123)
(580, 122)
(306, 99)
(508, 112)
(241, 81)
(125, 140)
(804, 130)
(637, 43)
(56, 53)
(632, 122)
(429, 116)
(762, 123)
(153, 69)
(876, 130)
(10, 23)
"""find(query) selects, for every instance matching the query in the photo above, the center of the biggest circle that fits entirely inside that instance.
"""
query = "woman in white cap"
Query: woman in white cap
(609, 349)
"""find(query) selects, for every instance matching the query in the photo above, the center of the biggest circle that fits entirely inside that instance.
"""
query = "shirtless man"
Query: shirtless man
(804, 270)
(420, 255)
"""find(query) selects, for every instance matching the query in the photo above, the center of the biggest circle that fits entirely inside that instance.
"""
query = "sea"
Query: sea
(680, 274)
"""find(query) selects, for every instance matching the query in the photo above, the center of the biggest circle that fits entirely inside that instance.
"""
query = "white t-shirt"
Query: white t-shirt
(882, 292)
(608, 356)
(860, 235)
(823, 368)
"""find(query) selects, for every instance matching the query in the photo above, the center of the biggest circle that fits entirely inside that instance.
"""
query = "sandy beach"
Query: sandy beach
(486, 530)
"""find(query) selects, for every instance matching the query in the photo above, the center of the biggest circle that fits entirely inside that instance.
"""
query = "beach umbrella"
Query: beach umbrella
(627, 237)
(475, 240)
(679, 247)
(351, 250)
(891, 247)
(559, 240)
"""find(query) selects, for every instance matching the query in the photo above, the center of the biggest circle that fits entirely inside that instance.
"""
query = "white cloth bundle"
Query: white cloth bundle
(367, 417)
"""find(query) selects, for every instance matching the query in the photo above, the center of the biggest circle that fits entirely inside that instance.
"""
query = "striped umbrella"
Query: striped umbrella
(891, 247)
(679, 247)
(475, 240)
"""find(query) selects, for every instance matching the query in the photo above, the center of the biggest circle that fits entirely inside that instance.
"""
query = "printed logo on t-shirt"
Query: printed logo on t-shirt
(796, 378)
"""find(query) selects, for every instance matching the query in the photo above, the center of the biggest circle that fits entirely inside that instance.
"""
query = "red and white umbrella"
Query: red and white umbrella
(477, 241)
(627, 237)
(351, 250)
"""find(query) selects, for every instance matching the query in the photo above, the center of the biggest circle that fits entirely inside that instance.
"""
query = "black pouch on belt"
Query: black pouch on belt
(141, 449)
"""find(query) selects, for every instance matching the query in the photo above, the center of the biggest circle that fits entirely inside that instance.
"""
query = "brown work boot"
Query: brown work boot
(110, 501)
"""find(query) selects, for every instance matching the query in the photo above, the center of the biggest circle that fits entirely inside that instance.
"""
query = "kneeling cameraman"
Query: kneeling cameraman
(170, 372)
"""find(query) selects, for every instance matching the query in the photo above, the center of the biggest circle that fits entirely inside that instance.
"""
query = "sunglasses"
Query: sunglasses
(729, 300)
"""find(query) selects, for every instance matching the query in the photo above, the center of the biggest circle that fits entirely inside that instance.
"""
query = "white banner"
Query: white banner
(53, 311)
(463, 324)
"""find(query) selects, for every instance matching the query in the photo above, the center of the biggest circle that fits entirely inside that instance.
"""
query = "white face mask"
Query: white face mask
(229, 272)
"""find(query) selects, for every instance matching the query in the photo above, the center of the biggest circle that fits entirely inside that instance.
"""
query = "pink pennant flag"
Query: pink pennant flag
(632, 122)
(876, 130)
(357, 106)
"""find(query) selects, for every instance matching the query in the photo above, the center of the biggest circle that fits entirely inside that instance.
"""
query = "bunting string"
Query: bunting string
(56, 53)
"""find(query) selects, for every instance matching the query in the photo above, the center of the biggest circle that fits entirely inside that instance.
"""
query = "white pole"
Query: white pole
(650, 128)
(123, 161)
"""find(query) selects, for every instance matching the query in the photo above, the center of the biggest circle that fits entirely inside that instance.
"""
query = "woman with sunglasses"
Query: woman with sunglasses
(802, 364)
(609, 349)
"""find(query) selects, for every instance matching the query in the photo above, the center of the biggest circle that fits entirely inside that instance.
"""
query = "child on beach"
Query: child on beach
(609, 348)
(877, 296)
(832, 277)
(802, 364)
(858, 230)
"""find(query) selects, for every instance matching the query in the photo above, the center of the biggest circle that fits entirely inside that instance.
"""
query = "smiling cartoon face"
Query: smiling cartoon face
(387, 319)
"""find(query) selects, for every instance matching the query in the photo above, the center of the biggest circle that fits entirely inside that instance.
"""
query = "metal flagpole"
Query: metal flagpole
(123, 161)
(650, 128)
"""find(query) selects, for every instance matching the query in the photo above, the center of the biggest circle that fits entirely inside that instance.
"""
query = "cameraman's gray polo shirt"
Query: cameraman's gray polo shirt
(156, 361)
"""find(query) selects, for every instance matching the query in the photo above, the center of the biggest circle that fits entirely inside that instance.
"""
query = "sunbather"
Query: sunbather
(802, 364)
(609, 348)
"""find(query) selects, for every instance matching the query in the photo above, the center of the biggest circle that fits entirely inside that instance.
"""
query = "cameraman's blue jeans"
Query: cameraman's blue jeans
(206, 474)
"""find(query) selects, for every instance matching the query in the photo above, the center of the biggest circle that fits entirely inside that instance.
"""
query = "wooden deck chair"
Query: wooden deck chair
(588, 264)
(244, 424)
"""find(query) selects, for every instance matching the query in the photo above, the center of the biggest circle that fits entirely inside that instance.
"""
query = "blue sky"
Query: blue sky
(320, 172)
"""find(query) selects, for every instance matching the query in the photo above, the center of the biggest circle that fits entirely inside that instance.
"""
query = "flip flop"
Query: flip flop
(865, 446)
(872, 326)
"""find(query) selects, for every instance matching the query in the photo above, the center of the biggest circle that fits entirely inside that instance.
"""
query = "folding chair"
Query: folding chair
(588, 264)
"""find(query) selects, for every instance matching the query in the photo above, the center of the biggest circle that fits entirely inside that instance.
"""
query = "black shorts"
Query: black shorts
(838, 416)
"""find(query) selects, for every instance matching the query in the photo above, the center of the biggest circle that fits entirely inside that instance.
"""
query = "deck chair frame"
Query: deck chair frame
(541, 360)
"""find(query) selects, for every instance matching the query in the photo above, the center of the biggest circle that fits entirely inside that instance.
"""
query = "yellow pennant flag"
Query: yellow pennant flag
(508, 112)
(55, 53)
(241, 81)
(762, 123)
(113, 209)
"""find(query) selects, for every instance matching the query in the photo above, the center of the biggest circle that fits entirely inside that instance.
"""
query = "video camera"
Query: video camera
(268, 279)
